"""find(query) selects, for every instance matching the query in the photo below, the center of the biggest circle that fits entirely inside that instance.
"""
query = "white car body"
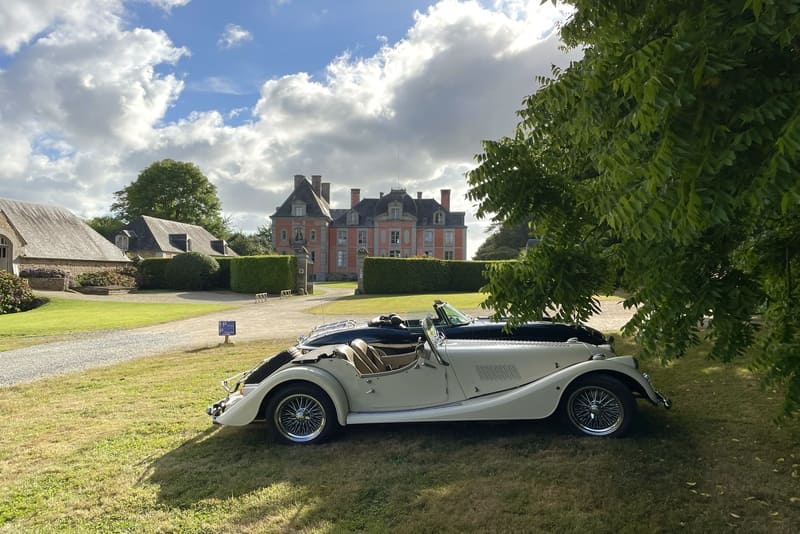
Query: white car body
(442, 380)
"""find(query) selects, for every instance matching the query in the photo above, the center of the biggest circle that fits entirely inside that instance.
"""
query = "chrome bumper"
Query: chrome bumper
(661, 399)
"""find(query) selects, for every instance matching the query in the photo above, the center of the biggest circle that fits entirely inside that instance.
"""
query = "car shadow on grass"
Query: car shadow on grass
(384, 471)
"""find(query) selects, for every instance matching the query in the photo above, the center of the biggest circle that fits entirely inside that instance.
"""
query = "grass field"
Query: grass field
(400, 304)
(68, 316)
(128, 448)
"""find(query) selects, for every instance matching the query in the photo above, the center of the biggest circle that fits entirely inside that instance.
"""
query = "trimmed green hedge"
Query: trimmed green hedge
(191, 271)
(151, 273)
(263, 274)
(422, 275)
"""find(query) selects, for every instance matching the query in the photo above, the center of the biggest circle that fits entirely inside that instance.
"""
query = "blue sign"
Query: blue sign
(227, 328)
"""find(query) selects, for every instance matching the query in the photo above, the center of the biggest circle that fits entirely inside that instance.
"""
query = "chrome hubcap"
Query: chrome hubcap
(595, 410)
(300, 417)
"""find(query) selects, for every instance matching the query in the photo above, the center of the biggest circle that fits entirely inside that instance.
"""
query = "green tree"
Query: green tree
(106, 226)
(505, 242)
(173, 190)
(256, 244)
(666, 159)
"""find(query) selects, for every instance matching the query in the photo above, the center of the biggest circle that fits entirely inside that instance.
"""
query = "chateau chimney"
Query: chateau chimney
(298, 179)
(326, 192)
(316, 182)
(419, 195)
(445, 199)
(355, 197)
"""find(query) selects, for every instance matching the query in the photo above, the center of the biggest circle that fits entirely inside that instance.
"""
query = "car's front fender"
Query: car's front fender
(246, 409)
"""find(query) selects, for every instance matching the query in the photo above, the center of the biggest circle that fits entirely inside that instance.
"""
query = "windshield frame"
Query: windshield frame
(434, 338)
(451, 315)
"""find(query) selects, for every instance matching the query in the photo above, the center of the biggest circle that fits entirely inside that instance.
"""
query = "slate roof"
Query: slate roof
(51, 232)
(423, 209)
(316, 206)
(151, 233)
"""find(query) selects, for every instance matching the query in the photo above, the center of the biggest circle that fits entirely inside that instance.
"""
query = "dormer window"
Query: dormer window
(121, 240)
(395, 211)
(438, 217)
(352, 217)
(299, 209)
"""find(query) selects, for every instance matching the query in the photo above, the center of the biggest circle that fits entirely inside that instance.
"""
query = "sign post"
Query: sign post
(227, 329)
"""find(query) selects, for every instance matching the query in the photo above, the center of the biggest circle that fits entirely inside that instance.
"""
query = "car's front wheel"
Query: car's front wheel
(301, 413)
(599, 405)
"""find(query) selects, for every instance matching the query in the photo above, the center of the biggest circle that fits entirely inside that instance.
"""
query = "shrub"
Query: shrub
(263, 274)
(15, 294)
(191, 271)
(151, 273)
(223, 279)
(41, 272)
(106, 278)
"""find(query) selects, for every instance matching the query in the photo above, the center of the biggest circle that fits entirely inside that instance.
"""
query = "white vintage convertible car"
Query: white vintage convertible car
(306, 398)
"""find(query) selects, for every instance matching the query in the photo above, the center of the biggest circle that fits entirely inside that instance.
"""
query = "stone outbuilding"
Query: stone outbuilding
(50, 237)
(150, 237)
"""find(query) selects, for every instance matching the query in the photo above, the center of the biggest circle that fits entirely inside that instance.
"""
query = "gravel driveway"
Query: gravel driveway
(275, 319)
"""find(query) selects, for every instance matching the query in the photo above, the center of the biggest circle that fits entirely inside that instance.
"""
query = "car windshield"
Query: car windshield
(452, 315)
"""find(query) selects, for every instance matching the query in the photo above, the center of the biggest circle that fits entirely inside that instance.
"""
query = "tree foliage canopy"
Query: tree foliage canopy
(106, 225)
(666, 160)
(173, 190)
(505, 242)
(257, 244)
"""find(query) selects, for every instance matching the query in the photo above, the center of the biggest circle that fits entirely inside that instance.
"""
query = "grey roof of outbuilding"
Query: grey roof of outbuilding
(51, 232)
(153, 233)
(316, 206)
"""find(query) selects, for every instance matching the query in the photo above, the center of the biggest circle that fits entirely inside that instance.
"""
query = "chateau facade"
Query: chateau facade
(393, 225)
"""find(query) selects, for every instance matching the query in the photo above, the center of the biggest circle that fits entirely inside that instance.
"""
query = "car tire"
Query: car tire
(301, 414)
(599, 406)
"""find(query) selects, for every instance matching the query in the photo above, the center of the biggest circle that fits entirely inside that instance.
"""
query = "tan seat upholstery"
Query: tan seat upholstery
(355, 359)
(372, 358)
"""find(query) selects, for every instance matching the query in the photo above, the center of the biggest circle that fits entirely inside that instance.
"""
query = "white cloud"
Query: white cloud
(233, 36)
(84, 100)
(216, 84)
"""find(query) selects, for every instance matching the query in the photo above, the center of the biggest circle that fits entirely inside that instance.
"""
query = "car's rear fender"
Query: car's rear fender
(250, 406)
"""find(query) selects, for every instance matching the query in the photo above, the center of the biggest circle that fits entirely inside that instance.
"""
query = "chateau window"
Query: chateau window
(298, 209)
(438, 217)
(449, 238)
(427, 237)
(394, 253)
(313, 235)
(448, 255)
(352, 217)
(341, 237)
(395, 237)
(341, 259)
(362, 237)
(283, 235)
(298, 234)
(395, 211)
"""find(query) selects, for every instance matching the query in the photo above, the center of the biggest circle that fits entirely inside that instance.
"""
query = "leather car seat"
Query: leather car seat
(372, 361)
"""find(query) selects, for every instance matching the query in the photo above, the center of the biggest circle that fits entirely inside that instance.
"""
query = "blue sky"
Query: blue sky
(369, 94)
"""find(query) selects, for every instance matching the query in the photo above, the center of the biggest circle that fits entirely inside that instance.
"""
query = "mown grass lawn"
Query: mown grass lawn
(129, 448)
(400, 304)
(68, 316)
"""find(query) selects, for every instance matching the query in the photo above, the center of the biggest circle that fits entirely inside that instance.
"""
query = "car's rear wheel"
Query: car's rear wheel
(301, 413)
(599, 405)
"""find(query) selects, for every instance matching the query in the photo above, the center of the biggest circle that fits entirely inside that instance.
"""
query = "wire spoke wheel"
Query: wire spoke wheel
(600, 406)
(300, 417)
